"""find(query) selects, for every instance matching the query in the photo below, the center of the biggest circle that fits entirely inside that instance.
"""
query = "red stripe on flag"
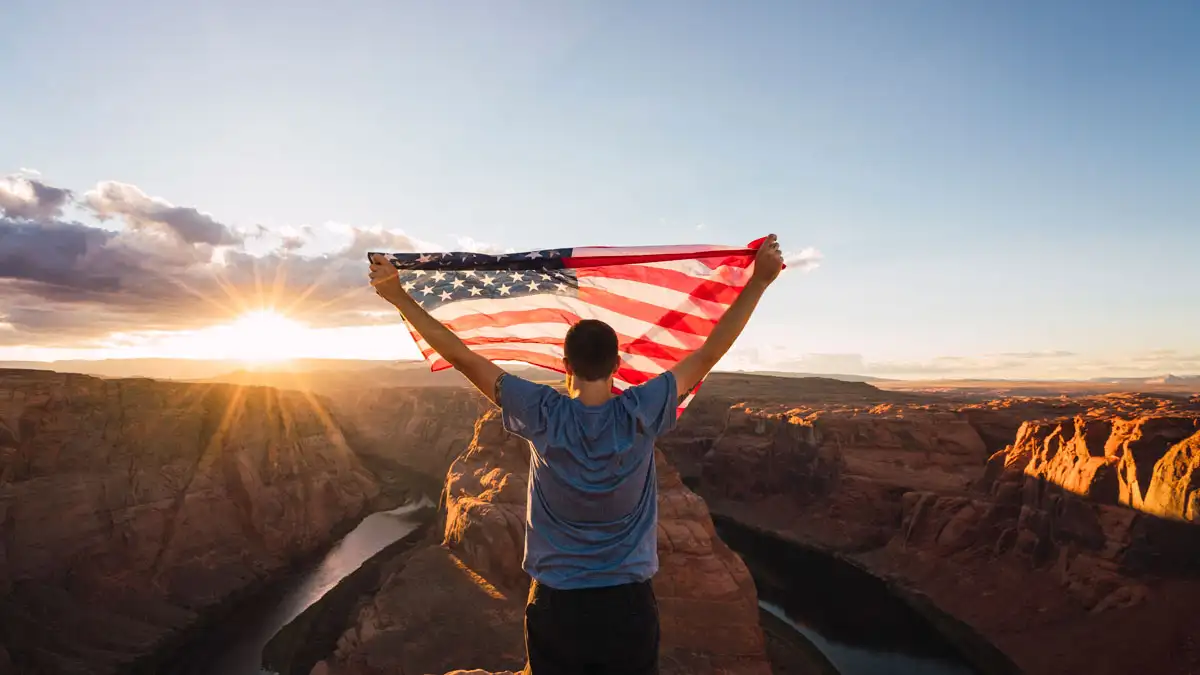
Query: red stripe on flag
(511, 318)
(690, 329)
(703, 289)
(714, 259)
(663, 355)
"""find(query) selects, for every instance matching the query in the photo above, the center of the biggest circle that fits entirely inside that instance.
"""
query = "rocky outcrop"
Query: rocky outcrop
(422, 428)
(1073, 522)
(1107, 460)
(1175, 484)
(129, 508)
(461, 603)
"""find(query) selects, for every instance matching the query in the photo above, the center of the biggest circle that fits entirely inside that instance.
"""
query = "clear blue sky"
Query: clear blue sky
(982, 177)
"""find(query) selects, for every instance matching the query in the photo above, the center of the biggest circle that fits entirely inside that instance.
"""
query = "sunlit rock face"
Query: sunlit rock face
(1146, 463)
(130, 507)
(460, 604)
(1034, 520)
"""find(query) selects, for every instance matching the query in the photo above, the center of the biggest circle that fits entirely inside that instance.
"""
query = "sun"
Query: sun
(261, 335)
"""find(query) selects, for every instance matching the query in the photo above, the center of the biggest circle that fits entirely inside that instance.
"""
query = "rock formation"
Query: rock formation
(128, 508)
(461, 603)
(423, 428)
(1084, 520)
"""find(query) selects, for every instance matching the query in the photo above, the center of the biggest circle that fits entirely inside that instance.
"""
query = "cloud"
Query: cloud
(29, 172)
(28, 198)
(110, 198)
(472, 245)
(62, 281)
(805, 260)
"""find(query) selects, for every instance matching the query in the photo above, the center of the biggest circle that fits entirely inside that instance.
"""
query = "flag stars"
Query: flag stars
(505, 289)
(458, 283)
(444, 295)
(475, 290)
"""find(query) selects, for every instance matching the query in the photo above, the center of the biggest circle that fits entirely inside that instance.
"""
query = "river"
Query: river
(848, 615)
(235, 647)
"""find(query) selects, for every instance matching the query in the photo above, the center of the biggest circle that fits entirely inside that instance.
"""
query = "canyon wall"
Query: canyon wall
(128, 508)
(460, 604)
(422, 428)
(1085, 521)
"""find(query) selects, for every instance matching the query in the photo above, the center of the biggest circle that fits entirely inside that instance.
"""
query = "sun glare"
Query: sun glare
(256, 336)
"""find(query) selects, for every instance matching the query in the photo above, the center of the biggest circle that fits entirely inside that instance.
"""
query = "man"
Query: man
(591, 518)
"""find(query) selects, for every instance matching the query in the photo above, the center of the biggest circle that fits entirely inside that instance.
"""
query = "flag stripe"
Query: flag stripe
(469, 314)
(631, 360)
(665, 299)
(713, 256)
(676, 321)
(553, 333)
(665, 279)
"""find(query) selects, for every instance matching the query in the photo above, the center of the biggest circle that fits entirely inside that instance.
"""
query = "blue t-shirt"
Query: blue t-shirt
(592, 514)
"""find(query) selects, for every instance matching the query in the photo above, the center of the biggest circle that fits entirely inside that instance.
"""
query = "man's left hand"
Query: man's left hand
(386, 280)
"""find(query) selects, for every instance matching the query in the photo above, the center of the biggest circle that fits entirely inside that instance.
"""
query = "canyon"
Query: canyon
(1056, 533)
(132, 509)
(1062, 530)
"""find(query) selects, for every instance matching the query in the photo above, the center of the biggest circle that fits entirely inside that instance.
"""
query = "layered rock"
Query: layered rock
(423, 428)
(1073, 519)
(473, 587)
(131, 507)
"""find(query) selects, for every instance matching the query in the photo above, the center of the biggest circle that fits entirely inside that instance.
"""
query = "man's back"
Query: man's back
(590, 542)
(592, 509)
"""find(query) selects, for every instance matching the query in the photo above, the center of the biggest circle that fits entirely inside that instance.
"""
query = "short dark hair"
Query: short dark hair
(591, 349)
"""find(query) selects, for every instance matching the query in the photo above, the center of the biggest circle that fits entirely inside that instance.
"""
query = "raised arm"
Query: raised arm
(693, 368)
(481, 372)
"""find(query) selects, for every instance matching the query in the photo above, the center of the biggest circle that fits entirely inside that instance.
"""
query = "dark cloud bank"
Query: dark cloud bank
(151, 265)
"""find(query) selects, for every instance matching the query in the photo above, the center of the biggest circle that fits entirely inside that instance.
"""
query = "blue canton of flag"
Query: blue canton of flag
(432, 289)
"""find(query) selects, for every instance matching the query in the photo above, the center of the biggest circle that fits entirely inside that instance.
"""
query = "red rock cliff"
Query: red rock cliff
(129, 507)
(474, 588)
(1078, 524)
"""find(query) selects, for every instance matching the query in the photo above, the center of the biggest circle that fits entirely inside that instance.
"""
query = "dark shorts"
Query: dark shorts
(592, 631)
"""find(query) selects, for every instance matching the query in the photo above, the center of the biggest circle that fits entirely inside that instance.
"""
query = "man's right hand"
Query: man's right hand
(386, 280)
(767, 264)
(769, 261)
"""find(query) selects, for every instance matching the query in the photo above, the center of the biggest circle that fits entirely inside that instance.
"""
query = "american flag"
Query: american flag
(662, 301)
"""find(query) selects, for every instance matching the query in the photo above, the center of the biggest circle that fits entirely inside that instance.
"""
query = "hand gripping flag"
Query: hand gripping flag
(663, 301)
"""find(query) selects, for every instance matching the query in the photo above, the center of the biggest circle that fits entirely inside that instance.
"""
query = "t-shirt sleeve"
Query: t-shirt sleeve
(523, 405)
(655, 403)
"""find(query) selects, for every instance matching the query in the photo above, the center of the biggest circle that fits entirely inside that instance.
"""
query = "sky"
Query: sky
(1000, 189)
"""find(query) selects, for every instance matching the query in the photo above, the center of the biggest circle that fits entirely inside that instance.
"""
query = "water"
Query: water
(848, 615)
(235, 647)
